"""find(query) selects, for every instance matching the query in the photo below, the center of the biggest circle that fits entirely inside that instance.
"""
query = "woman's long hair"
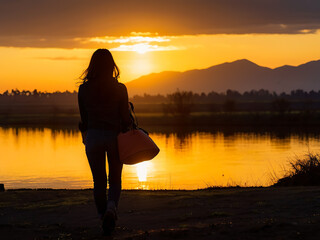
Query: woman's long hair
(101, 66)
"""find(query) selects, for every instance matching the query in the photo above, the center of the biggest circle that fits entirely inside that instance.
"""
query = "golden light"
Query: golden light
(141, 48)
(140, 44)
(142, 171)
(129, 39)
(141, 66)
(52, 69)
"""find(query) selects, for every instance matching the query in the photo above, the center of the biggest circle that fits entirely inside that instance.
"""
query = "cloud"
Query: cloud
(61, 58)
(130, 39)
(60, 23)
(140, 44)
(144, 47)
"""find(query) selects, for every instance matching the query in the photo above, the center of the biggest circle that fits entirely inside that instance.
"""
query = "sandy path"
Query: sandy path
(245, 213)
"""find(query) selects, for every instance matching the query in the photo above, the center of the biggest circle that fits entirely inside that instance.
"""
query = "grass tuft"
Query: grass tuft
(302, 172)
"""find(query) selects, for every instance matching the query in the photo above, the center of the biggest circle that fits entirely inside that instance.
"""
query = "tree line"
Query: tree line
(211, 97)
(261, 95)
(179, 102)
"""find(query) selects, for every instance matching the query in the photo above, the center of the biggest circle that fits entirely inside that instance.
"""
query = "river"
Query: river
(55, 158)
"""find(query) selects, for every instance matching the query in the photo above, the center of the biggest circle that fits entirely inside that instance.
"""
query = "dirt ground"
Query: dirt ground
(232, 213)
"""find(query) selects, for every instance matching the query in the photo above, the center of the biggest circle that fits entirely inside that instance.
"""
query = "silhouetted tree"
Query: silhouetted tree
(281, 105)
(35, 93)
(180, 103)
(229, 105)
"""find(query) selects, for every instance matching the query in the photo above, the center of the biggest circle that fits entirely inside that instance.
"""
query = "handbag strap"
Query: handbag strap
(133, 116)
(134, 119)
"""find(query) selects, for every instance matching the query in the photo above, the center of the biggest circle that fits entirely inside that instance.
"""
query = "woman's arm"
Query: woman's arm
(83, 124)
(124, 108)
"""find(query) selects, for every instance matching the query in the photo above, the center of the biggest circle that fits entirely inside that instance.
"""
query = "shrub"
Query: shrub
(303, 172)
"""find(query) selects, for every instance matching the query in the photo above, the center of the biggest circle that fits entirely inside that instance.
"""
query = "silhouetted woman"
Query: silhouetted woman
(103, 104)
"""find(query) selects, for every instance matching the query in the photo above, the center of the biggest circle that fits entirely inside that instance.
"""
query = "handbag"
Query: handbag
(135, 145)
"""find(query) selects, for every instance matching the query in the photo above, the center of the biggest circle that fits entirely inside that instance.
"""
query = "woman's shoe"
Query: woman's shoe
(109, 223)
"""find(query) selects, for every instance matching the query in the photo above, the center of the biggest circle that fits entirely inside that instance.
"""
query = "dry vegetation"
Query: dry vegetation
(303, 172)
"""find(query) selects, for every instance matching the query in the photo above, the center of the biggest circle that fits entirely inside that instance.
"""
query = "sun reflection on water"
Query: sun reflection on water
(142, 171)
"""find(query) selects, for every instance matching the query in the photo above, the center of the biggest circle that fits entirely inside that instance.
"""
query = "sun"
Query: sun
(142, 65)
(141, 48)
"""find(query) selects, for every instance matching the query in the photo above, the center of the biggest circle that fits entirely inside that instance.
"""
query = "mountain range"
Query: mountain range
(241, 75)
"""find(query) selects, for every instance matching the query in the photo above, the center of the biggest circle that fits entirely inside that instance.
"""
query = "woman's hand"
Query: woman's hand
(84, 135)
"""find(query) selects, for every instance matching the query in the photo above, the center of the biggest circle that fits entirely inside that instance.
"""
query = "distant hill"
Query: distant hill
(241, 75)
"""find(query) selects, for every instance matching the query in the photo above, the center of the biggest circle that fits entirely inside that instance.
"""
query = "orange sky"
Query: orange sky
(50, 69)
(53, 46)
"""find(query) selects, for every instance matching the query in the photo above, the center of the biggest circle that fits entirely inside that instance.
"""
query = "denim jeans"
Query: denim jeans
(98, 142)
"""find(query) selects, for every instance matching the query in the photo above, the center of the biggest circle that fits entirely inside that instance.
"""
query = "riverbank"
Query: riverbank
(209, 119)
(229, 213)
